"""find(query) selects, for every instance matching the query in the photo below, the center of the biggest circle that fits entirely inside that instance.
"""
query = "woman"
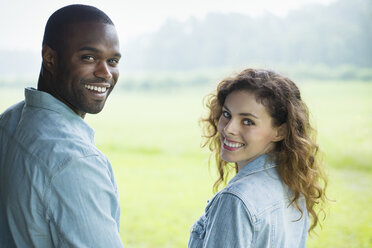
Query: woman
(259, 127)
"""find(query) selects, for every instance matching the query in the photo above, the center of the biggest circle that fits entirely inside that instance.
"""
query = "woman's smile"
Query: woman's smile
(231, 145)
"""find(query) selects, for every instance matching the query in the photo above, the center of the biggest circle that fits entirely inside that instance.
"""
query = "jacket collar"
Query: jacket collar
(44, 100)
(260, 163)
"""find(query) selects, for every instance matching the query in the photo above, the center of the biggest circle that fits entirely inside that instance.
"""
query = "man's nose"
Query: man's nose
(103, 70)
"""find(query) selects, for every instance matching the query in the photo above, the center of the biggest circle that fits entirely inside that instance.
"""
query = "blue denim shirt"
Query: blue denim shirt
(56, 188)
(252, 211)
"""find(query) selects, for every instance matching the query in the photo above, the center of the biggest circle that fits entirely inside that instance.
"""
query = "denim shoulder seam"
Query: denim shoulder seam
(256, 215)
(24, 149)
(252, 217)
(270, 166)
(48, 188)
(61, 167)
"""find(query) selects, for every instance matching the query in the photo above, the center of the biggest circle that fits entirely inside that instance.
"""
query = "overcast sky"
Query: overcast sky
(22, 22)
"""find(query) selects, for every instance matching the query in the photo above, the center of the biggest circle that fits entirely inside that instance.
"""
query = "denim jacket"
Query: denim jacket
(56, 188)
(253, 210)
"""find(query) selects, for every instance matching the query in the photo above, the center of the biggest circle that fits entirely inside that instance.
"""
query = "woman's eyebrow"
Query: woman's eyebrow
(241, 114)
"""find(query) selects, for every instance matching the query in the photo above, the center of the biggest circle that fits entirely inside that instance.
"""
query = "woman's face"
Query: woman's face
(245, 129)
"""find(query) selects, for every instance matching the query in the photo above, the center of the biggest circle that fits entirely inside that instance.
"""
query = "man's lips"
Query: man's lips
(98, 88)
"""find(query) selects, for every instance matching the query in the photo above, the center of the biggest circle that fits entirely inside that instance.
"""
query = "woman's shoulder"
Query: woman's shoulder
(260, 192)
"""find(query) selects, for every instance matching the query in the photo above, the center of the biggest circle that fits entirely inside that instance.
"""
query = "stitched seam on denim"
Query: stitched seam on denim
(48, 188)
(261, 169)
(272, 207)
(39, 160)
(272, 233)
(61, 166)
(28, 153)
(252, 172)
(250, 215)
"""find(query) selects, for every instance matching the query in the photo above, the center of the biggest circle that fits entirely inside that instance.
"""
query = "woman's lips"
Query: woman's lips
(231, 145)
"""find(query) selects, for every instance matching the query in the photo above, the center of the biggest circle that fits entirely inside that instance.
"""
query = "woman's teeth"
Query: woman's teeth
(232, 144)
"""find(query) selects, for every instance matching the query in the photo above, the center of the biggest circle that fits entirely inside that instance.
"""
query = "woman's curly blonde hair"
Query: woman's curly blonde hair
(297, 155)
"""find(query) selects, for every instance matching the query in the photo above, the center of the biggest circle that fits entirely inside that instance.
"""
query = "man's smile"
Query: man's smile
(96, 88)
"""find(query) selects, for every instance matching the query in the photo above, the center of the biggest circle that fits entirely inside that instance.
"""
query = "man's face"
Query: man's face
(88, 66)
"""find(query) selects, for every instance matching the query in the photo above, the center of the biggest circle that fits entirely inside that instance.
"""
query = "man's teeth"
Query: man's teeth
(95, 88)
(233, 145)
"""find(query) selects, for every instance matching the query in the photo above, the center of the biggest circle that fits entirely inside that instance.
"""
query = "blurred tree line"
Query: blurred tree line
(319, 41)
(315, 42)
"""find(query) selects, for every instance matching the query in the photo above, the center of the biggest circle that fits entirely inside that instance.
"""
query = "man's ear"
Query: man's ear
(49, 59)
(281, 132)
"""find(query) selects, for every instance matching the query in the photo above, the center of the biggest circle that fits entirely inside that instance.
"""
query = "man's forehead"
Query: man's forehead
(91, 36)
(84, 32)
(89, 26)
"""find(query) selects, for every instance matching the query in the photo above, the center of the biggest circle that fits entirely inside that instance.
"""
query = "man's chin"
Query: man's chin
(94, 111)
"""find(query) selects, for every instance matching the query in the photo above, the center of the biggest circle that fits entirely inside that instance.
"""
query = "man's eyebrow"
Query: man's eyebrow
(242, 114)
(95, 50)
(92, 49)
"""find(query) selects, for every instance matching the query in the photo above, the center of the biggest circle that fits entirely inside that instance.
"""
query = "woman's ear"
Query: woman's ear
(281, 132)
(49, 59)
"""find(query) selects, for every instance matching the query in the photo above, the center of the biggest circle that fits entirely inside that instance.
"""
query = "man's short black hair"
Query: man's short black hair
(59, 22)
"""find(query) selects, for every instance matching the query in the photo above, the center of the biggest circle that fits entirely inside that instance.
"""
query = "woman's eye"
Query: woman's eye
(226, 114)
(248, 122)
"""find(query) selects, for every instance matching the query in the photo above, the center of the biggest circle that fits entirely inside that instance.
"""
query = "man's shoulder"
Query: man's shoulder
(50, 137)
(60, 145)
(11, 114)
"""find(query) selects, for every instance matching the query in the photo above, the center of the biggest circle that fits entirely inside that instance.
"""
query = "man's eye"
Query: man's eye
(113, 61)
(248, 122)
(87, 58)
(226, 114)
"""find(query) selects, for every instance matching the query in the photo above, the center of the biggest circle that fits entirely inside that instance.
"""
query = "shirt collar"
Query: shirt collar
(44, 100)
(261, 163)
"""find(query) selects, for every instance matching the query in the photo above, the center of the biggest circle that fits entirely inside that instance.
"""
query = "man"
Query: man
(56, 188)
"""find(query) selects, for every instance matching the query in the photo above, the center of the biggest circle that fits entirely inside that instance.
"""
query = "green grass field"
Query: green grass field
(153, 142)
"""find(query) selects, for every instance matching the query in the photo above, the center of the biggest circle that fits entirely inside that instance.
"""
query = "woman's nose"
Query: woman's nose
(231, 127)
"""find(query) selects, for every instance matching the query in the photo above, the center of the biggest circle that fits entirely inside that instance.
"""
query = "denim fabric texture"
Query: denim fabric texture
(56, 188)
(253, 210)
